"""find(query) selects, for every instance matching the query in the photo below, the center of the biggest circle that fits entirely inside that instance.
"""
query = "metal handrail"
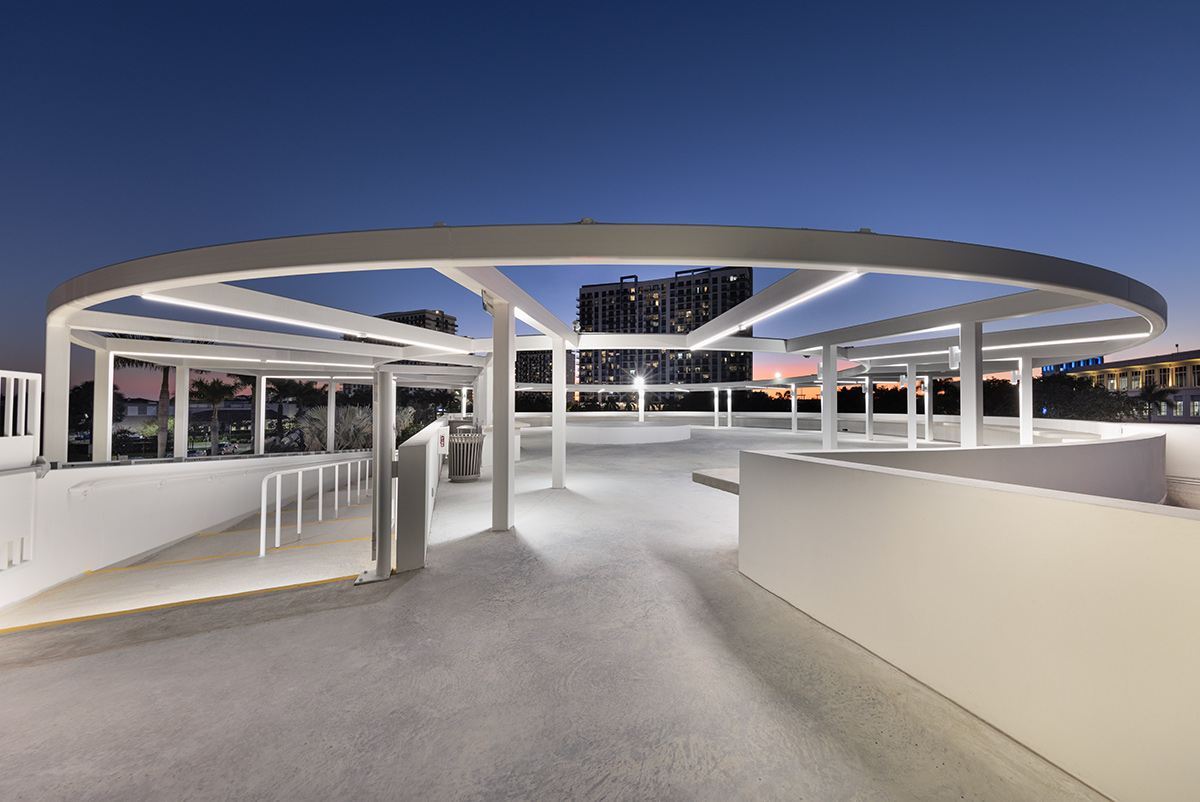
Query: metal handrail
(364, 470)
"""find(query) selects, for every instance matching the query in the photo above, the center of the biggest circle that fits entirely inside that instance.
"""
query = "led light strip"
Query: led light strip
(188, 356)
(1075, 341)
(201, 357)
(1043, 343)
(150, 296)
(799, 299)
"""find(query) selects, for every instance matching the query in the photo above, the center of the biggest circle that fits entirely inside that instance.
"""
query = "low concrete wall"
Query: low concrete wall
(85, 518)
(1183, 441)
(1069, 622)
(1130, 468)
(418, 470)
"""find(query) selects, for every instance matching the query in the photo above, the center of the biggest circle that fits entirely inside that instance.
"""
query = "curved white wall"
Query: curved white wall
(1070, 622)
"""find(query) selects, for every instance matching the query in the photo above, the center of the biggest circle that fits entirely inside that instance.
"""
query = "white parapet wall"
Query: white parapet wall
(1130, 468)
(1070, 622)
(84, 518)
(418, 471)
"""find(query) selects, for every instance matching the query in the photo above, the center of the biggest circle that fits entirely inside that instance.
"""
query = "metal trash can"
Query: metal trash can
(466, 454)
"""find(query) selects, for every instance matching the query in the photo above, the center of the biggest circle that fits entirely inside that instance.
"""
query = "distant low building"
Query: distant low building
(1179, 372)
(432, 319)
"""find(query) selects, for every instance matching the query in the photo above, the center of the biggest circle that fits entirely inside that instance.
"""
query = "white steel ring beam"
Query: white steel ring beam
(445, 247)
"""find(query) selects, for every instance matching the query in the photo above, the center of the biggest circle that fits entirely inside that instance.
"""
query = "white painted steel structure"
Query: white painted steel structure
(933, 343)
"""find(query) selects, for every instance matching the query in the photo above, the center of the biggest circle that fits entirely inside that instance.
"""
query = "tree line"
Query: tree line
(1056, 395)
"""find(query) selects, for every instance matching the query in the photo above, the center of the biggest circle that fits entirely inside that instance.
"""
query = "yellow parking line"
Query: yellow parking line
(293, 523)
(219, 556)
(327, 506)
(174, 604)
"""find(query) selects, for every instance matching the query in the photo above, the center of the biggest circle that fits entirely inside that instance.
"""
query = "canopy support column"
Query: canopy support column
(504, 420)
(869, 407)
(383, 457)
(260, 414)
(102, 407)
(970, 337)
(330, 416)
(927, 389)
(183, 394)
(795, 422)
(1025, 400)
(558, 414)
(829, 397)
(910, 409)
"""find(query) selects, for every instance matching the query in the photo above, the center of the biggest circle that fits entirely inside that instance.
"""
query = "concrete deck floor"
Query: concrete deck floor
(605, 649)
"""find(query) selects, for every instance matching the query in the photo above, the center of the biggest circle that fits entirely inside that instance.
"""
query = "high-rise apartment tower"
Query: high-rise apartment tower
(673, 305)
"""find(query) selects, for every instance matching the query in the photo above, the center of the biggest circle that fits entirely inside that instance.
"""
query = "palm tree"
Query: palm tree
(1152, 395)
(305, 394)
(164, 392)
(215, 392)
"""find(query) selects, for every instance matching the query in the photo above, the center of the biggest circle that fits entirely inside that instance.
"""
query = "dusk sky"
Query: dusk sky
(1069, 129)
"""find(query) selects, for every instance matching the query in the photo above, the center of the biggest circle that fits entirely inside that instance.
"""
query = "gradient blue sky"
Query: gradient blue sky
(1063, 128)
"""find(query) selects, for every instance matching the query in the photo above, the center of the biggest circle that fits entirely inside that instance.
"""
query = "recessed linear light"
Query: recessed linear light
(324, 376)
(1040, 344)
(875, 365)
(930, 330)
(873, 359)
(314, 364)
(826, 287)
(799, 299)
(189, 356)
(150, 296)
(258, 360)
(293, 322)
(1074, 341)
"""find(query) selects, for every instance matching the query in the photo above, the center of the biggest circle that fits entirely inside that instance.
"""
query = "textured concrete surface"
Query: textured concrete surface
(605, 649)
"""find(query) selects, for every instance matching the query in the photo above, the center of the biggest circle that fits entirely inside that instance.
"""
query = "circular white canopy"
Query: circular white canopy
(820, 260)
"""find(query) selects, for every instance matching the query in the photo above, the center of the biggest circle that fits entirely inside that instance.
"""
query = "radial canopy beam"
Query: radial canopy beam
(229, 299)
(526, 309)
(794, 288)
(1019, 304)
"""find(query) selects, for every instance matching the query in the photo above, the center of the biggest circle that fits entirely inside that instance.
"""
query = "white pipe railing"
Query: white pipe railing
(361, 465)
